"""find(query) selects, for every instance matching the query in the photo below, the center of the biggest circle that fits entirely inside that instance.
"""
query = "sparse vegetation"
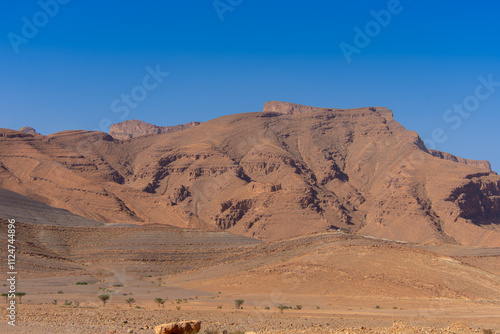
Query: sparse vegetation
(219, 307)
(160, 301)
(54, 302)
(60, 292)
(238, 303)
(377, 307)
(177, 308)
(81, 283)
(317, 307)
(281, 307)
(104, 299)
(117, 285)
(488, 331)
(67, 303)
(130, 301)
(20, 295)
(298, 307)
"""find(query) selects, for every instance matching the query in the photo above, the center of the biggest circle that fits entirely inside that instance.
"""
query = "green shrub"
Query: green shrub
(81, 283)
(298, 307)
(103, 299)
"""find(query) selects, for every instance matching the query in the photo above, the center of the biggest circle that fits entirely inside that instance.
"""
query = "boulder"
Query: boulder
(179, 327)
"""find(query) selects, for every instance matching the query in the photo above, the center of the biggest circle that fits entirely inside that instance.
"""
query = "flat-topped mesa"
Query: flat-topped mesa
(293, 108)
(135, 128)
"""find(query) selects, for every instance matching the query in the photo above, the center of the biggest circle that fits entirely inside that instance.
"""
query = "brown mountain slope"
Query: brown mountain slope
(288, 171)
(135, 128)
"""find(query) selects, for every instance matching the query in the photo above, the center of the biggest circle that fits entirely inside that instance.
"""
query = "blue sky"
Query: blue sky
(83, 56)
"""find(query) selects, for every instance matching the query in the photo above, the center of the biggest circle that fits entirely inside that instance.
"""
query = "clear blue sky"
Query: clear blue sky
(86, 54)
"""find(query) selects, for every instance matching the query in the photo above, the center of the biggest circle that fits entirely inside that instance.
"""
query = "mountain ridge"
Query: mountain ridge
(287, 171)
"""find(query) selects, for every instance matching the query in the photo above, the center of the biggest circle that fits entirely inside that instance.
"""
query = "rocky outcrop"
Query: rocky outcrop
(184, 327)
(27, 129)
(482, 164)
(135, 128)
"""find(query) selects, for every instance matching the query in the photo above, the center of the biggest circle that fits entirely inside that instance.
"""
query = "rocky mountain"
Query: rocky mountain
(135, 128)
(287, 171)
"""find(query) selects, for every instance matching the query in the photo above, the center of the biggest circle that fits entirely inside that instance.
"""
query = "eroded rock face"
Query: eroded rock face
(478, 199)
(27, 129)
(482, 164)
(288, 171)
(184, 327)
(135, 128)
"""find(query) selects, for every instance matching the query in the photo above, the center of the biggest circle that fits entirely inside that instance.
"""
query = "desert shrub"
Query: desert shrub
(103, 298)
(219, 307)
(298, 307)
(81, 283)
(76, 303)
(177, 308)
(238, 303)
(267, 307)
(117, 285)
(54, 302)
(487, 331)
(377, 307)
(130, 301)
(281, 307)
(60, 292)
(67, 303)
(160, 301)
(318, 307)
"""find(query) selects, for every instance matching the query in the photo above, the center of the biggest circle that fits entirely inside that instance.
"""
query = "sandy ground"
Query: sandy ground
(43, 319)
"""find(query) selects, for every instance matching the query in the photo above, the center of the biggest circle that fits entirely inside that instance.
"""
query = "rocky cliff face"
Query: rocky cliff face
(135, 128)
(287, 171)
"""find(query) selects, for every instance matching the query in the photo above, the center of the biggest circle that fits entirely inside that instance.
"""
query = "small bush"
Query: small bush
(117, 285)
(487, 331)
(177, 308)
(103, 299)
(238, 303)
(54, 302)
(298, 307)
(377, 307)
(219, 307)
(67, 303)
(317, 307)
(60, 292)
(267, 308)
(81, 283)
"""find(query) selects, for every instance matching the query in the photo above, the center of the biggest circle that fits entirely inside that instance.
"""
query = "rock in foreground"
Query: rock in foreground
(179, 327)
